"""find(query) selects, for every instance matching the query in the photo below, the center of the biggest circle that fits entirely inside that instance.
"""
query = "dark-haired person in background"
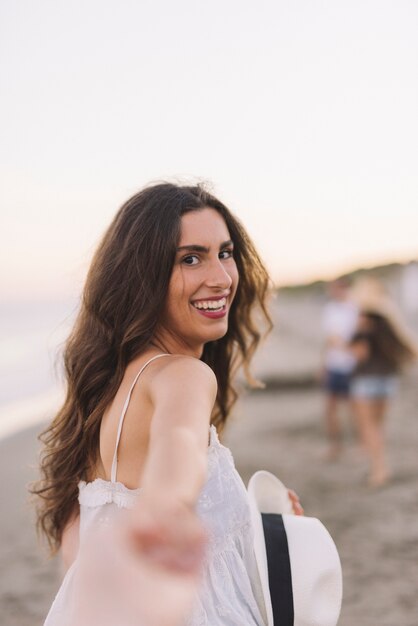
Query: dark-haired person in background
(381, 349)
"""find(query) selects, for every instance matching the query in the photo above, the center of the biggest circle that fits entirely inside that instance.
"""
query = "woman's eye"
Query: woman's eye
(191, 259)
(226, 254)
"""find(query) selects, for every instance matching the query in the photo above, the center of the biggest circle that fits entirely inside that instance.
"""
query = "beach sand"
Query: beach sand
(376, 531)
(280, 429)
(28, 580)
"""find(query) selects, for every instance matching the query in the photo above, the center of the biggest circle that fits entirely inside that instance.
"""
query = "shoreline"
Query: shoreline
(18, 416)
(28, 412)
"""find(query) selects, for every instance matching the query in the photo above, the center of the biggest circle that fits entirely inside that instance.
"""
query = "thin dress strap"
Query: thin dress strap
(122, 417)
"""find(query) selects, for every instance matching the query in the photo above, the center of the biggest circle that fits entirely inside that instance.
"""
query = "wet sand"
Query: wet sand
(376, 531)
(28, 580)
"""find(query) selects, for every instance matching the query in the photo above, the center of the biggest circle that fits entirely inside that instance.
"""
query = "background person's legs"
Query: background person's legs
(370, 414)
(333, 427)
(337, 386)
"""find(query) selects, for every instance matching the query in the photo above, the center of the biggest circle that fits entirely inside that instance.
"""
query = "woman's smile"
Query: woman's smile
(213, 307)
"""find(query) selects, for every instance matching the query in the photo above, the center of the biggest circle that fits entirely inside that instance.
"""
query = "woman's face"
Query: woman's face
(203, 282)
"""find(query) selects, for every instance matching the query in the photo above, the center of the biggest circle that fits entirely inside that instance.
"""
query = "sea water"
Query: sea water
(32, 335)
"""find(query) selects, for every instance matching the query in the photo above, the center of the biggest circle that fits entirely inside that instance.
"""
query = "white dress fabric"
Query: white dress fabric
(230, 592)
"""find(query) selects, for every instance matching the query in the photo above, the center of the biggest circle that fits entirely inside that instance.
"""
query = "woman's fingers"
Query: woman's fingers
(116, 582)
(172, 537)
(178, 554)
(296, 505)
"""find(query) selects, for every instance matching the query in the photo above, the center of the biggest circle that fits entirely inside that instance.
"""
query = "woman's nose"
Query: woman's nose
(218, 276)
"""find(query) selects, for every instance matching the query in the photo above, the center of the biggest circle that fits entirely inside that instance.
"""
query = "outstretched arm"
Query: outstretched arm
(144, 569)
(183, 393)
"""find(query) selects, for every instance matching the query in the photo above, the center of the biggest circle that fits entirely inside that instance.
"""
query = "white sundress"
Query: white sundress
(230, 592)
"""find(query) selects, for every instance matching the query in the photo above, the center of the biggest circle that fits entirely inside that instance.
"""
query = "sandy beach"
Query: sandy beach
(279, 429)
(375, 531)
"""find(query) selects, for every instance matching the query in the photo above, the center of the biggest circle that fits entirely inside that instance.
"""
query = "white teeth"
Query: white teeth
(214, 305)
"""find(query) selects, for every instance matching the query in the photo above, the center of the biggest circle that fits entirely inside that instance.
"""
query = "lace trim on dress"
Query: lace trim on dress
(101, 491)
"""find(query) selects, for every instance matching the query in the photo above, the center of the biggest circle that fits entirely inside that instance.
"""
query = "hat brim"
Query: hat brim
(315, 568)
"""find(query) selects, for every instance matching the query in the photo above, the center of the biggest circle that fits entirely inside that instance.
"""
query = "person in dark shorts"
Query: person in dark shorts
(337, 383)
(339, 322)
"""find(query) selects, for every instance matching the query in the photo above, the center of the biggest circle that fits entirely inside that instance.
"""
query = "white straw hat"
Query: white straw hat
(299, 566)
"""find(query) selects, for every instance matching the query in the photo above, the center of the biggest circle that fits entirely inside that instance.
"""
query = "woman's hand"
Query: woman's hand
(296, 505)
(142, 568)
(168, 533)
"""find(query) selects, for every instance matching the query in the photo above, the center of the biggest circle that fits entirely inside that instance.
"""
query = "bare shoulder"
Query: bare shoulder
(182, 391)
(182, 373)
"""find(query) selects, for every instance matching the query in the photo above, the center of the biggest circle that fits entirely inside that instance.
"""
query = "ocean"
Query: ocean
(32, 334)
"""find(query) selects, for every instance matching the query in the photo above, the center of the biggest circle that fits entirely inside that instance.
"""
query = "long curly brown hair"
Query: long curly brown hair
(387, 343)
(123, 299)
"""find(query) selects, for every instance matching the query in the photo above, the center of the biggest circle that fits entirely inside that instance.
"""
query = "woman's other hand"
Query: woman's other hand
(296, 505)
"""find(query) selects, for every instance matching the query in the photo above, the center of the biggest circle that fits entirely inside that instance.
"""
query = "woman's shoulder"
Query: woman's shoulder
(183, 388)
(171, 375)
(180, 369)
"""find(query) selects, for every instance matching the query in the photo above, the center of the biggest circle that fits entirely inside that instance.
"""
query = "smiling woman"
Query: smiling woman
(169, 298)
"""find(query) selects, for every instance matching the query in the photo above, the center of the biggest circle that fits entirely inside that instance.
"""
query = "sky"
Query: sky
(300, 114)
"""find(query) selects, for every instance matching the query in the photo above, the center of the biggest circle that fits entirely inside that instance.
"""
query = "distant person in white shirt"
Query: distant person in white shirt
(339, 323)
